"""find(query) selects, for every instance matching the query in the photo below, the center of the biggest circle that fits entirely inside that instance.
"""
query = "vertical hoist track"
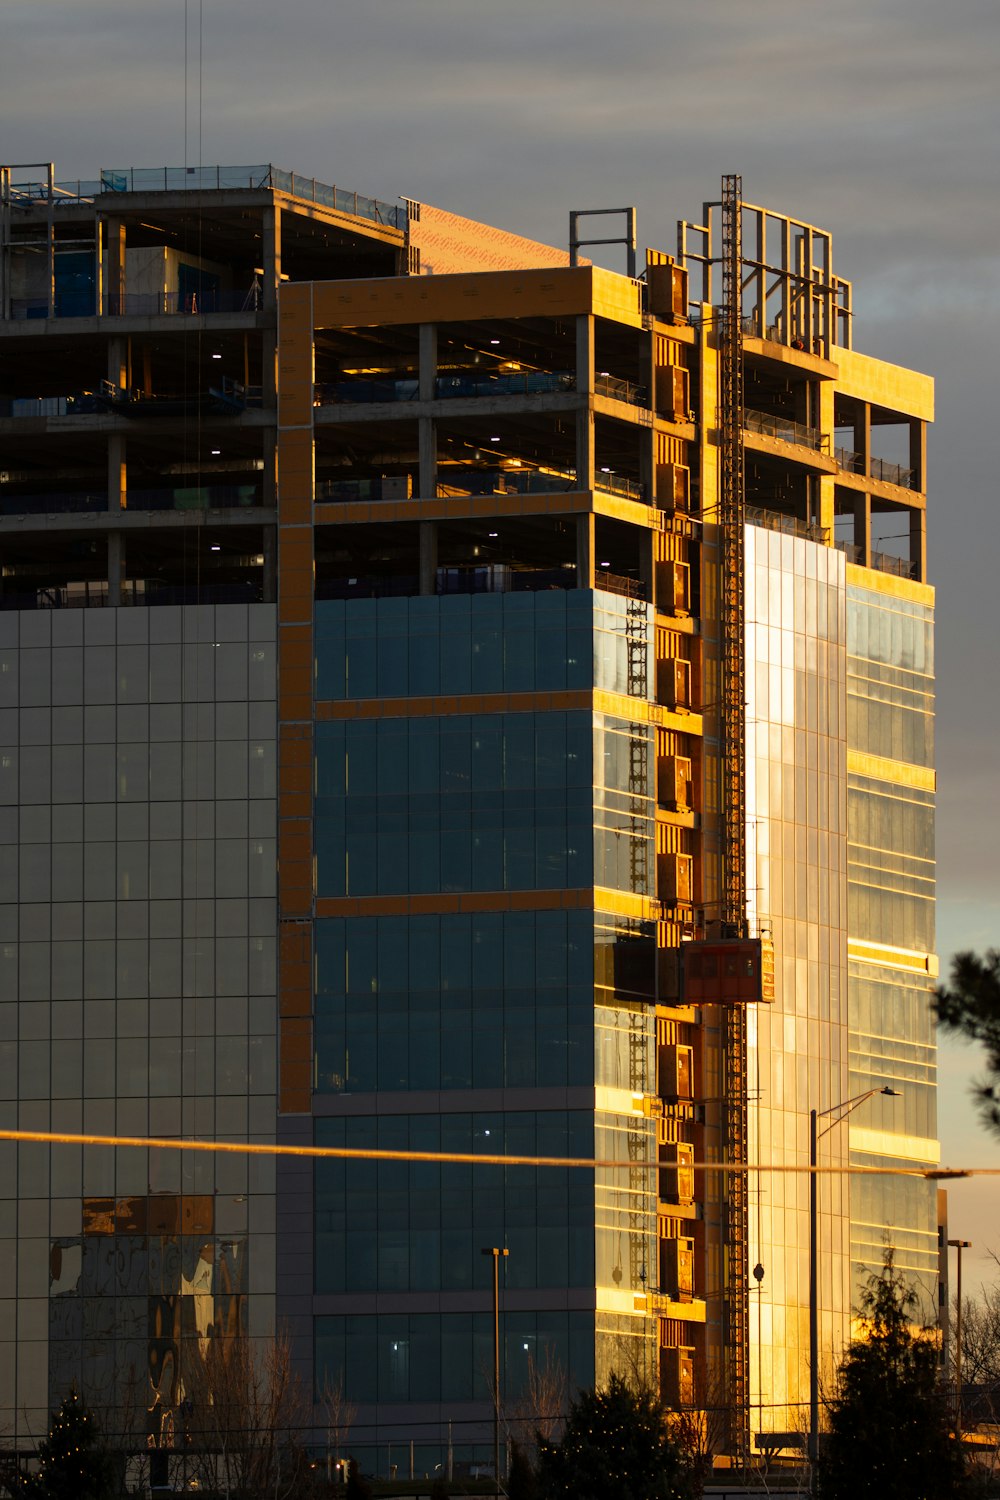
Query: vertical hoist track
(732, 514)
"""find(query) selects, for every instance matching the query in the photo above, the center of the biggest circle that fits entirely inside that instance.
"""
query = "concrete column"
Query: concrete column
(117, 473)
(269, 478)
(647, 563)
(116, 285)
(826, 486)
(918, 454)
(116, 567)
(428, 556)
(585, 388)
(863, 528)
(585, 550)
(50, 254)
(118, 361)
(428, 360)
(271, 256)
(918, 544)
(863, 437)
(826, 503)
(647, 435)
(269, 369)
(98, 266)
(269, 548)
(427, 444)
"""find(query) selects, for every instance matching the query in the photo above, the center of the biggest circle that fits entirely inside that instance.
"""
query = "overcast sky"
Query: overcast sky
(875, 119)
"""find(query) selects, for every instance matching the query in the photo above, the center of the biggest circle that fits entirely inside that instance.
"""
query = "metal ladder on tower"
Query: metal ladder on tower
(637, 665)
(637, 648)
(732, 515)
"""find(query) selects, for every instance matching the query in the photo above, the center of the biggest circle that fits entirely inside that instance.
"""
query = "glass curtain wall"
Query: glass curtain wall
(797, 880)
(891, 891)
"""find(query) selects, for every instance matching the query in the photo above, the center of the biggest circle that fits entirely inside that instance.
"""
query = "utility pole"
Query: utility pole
(496, 1252)
(840, 1112)
(959, 1245)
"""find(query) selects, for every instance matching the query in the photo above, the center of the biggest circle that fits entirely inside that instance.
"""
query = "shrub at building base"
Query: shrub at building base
(616, 1446)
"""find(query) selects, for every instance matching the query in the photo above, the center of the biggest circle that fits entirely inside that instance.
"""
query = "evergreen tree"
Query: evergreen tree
(615, 1447)
(522, 1481)
(971, 1008)
(890, 1432)
(73, 1461)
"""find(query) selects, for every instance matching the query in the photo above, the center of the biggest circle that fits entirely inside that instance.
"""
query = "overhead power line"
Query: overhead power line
(471, 1158)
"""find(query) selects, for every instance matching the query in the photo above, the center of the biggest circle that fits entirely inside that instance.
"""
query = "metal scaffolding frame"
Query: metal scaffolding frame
(732, 516)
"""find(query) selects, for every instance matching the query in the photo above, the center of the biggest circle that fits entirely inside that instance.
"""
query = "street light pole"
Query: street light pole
(959, 1245)
(840, 1111)
(496, 1251)
(813, 1298)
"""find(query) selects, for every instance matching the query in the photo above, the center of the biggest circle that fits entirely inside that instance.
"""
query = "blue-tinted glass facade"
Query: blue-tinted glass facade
(419, 1226)
(457, 803)
(483, 802)
(551, 641)
(460, 1000)
(430, 1357)
(438, 804)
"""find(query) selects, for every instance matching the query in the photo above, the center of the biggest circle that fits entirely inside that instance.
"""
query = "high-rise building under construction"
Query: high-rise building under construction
(454, 699)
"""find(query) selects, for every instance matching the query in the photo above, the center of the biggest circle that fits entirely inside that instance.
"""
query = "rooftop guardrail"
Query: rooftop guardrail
(214, 179)
(882, 562)
(208, 179)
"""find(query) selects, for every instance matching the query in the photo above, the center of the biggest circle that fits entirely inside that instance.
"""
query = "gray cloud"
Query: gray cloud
(876, 119)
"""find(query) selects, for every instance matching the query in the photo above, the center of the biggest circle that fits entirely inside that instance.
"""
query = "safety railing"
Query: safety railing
(90, 594)
(446, 387)
(27, 194)
(137, 304)
(618, 484)
(777, 333)
(51, 502)
(251, 178)
(880, 468)
(473, 481)
(776, 520)
(380, 487)
(139, 592)
(617, 583)
(363, 392)
(499, 578)
(621, 390)
(850, 461)
(61, 502)
(523, 383)
(785, 430)
(154, 304)
(888, 562)
(197, 497)
(882, 562)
